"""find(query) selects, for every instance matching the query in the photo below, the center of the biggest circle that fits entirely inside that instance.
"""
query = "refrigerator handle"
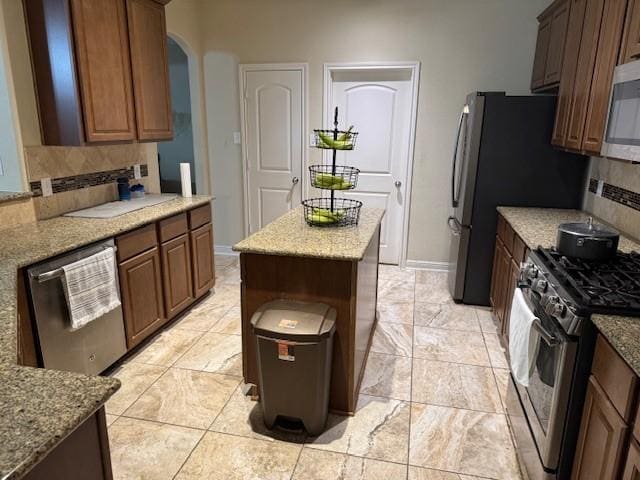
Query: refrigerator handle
(454, 226)
(464, 113)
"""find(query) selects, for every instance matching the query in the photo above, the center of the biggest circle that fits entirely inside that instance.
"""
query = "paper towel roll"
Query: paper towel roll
(185, 178)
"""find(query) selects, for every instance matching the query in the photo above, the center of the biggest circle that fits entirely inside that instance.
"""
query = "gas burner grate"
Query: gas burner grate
(608, 286)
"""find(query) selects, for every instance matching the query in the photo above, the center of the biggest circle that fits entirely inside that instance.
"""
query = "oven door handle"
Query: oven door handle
(548, 337)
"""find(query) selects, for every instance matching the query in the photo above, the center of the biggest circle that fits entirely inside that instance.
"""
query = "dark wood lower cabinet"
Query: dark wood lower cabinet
(601, 443)
(204, 275)
(141, 287)
(84, 453)
(177, 275)
(632, 465)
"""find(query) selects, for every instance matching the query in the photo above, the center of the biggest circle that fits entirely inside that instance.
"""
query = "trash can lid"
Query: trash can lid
(294, 321)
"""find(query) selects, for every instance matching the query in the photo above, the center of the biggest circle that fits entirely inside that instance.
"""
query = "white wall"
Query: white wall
(463, 45)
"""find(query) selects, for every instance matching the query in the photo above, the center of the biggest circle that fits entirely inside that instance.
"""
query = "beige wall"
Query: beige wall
(620, 174)
(463, 45)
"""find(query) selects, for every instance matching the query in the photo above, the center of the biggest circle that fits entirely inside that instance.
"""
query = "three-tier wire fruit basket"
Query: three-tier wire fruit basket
(327, 210)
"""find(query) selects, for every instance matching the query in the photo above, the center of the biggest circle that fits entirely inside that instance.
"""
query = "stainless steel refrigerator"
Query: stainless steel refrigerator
(503, 156)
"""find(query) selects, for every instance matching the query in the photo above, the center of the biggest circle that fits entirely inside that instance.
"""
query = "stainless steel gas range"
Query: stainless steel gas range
(563, 293)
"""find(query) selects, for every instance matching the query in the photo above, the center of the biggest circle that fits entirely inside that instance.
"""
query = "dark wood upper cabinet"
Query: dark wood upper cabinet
(140, 283)
(552, 32)
(104, 69)
(177, 275)
(542, 49)
(203, 267)
(568, 75)
(592, 48)
(148, 40)
(631, 43)
(606, 59)
(584, 73)
(100, 69)
(601, 441)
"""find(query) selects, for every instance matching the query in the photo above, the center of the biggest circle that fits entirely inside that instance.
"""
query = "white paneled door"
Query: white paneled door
(378, 103)
(273, 129)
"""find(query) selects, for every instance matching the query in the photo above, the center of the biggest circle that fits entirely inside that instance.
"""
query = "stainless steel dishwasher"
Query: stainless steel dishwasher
(92, 348)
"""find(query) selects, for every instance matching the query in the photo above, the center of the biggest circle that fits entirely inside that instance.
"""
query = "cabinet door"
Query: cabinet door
(512, 284)
(502, 281)
(558, 35)
(632, 465)
(493, 293)
(177, 275)
(631, 42)
(104, 69)
(148, 40)
(584, 74)
(140, 283)
(606, 59)
(601, 438)
(542, 49)
(203, 267)
(568, 74)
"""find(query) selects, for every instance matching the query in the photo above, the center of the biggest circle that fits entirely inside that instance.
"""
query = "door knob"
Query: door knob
(295, 180)
(398, 183)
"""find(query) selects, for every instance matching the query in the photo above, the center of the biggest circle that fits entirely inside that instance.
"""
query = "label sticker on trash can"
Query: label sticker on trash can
(285, 352)
(286, 323)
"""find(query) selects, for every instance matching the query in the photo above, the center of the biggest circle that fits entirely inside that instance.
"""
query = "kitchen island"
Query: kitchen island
(338, 266)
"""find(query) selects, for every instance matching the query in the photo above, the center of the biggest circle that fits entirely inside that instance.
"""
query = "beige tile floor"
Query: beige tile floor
(431, 404)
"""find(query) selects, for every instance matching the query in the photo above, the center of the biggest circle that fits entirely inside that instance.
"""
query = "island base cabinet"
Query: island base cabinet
(602, 437)
(177, 275)
(348, 286)
(140, 283)
(84, 453)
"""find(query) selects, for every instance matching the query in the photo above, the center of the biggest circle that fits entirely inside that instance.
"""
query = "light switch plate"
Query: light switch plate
(47, 189)
(236, 138)
(137, 174)
(312, 140)
(600, 188)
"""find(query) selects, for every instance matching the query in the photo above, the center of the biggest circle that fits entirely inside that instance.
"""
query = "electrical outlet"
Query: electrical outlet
(236, 138)
(600, 188)
(47, 189)
(137, 174)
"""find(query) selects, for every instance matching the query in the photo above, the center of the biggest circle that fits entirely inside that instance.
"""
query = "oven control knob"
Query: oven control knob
(530, 271)
(548, 300)
(540, 285)
(559, 310)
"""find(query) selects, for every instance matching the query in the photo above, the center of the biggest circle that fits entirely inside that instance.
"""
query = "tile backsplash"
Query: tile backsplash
(82, 177)
(619, 203)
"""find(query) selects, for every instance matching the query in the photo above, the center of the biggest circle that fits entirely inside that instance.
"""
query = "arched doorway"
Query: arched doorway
(181, 148)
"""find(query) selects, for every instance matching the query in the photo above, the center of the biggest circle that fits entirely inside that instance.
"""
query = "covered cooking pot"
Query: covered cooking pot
(589, 241)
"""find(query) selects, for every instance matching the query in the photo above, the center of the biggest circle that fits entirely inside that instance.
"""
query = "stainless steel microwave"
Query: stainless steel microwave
(622, 134)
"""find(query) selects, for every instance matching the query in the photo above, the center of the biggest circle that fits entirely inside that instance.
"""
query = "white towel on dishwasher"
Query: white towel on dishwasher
(90, 287)
(523, 345)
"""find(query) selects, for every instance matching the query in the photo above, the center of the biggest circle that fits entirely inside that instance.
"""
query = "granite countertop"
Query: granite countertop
(289, 235)
(11, 196)
(537, 227)
(39, 406)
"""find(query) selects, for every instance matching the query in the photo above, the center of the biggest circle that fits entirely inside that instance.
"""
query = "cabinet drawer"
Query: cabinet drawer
(199, 216)
(618, 381)
(135, 242)
(509, 235)
(519, 249)
(172, 227)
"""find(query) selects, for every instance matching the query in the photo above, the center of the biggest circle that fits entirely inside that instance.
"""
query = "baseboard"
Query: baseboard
(434, 266)
(224, 250)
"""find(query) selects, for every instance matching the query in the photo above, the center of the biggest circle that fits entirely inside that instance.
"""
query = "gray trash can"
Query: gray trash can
(294, 352)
